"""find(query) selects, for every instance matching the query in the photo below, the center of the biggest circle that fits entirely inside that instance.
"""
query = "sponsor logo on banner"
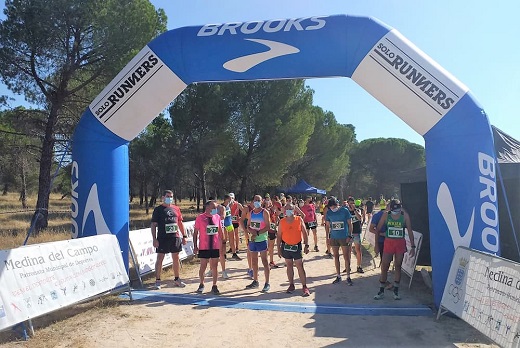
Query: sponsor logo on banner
(417, 78)
(139, 73)
(489, 239)
(91, 206)
(40, 278)
(271, 26)
(408, 82)
(484, 290)
(244, 63)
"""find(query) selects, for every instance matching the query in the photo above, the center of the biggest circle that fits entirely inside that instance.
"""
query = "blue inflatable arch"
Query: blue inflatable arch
(459, 143)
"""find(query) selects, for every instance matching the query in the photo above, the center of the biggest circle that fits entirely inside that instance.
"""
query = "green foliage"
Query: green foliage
(326, 157)
(377, 164)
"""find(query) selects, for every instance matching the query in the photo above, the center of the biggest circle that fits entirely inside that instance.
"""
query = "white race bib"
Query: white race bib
(172, 228)
(211, 230)
(338, 226)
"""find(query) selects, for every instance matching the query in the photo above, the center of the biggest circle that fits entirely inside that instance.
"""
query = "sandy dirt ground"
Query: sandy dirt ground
(159, 321)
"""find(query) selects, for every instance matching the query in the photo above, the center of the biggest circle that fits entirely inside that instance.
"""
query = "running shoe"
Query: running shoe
(329, 255)
(327, 252)
(179, 283)
(225, 275)
(200, 289)
(214, 290)
(250, 273)
(345, 270)
(273, 265)
(306, 292)
(396, 294)
(253, 285)
(230, 251)
(157, 285)
(266, 288)
(236, 257)
(316, 248)
(208, 273)
(337, 280)
(349, 282)
(360, 270)
(380, 295)
(290, 289)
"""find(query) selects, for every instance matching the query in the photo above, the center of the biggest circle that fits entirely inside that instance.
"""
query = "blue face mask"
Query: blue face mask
(168, 200)
(257, 204)
(214, 211)
(289, 212)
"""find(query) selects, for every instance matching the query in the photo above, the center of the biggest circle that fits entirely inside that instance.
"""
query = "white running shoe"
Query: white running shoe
(179, 283)
(208, 273)
(225, 275)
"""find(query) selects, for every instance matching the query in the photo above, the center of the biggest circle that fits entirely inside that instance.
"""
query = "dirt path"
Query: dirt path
(159, 320)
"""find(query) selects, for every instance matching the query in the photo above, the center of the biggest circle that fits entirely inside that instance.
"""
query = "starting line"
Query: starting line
(201, 300)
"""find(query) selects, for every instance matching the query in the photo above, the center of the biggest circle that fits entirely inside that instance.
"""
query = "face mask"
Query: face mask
(396, 211)
(257, 204)
(289, 212)
(300, 204)
(335, 209)
(214, 211)
(168, 200)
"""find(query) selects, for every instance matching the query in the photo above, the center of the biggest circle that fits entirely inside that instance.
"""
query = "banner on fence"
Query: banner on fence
(484, 290)
(38, 279)
(141, 242)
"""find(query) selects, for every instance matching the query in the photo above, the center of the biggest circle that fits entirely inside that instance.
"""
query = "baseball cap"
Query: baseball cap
(267, 195)
(357, 202)
(232, 195)
(332, 202)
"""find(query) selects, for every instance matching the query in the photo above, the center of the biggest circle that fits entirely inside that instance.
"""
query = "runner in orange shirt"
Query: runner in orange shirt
(291, 231)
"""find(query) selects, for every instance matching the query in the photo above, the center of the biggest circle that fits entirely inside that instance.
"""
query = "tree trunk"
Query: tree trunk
(23, 191)
(198, 199)
(41, 214)
(146, 199)
(6, 189)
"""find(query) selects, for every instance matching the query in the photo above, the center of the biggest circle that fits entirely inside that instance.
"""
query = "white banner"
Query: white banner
(484, 290)
(41, 278)
(409, 263)
(141, 242)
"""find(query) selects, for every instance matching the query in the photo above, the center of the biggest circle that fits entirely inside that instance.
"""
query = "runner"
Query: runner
(327, 231)
(234, 238)
(340, 226)
(222, 212)
(257, 229)
(289, 243)
(310, 220)
(355, 212)
(207, 241)
(247, 207)
(369, 204)
(170, 237)
(267, 205)
(395, 246)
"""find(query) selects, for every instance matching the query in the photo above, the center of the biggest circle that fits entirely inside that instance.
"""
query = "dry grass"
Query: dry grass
(16, 222)
(14, 225)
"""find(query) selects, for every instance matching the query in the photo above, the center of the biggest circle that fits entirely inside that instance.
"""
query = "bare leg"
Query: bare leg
(263, 256)
(158, 266)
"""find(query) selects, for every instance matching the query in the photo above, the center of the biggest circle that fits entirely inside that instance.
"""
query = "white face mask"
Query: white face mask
(300, 205)
(289, 212)
(168, 200)
(257, 204)
(396, 211)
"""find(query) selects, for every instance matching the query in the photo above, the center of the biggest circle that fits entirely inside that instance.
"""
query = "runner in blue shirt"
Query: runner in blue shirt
(339, 222)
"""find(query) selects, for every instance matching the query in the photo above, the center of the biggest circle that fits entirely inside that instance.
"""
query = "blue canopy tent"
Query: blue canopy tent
(303, 187)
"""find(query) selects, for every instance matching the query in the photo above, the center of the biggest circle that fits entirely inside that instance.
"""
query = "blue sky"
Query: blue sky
(476, 41)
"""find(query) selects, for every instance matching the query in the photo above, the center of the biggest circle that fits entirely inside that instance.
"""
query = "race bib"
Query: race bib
(312, 224)
(338, 226)
(289, 247)
(234, 218)
(228, 213)
(393, 232)
(172, 228)
(211, 230)
(272, 226)
(255, 225)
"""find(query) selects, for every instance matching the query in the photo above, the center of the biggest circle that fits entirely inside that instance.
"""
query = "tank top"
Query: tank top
(310, 212)
(227, 218)
(257, 223)
(208, 231)
(291, 231)
(395, 227)
(235, 212)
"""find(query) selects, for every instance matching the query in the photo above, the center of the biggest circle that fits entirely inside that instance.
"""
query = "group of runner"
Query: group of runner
(284, 223)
